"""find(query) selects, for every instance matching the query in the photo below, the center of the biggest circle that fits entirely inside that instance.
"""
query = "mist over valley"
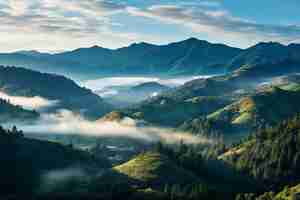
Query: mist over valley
(139, 100)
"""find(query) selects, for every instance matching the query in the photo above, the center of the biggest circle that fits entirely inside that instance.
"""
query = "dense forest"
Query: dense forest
(24, 162)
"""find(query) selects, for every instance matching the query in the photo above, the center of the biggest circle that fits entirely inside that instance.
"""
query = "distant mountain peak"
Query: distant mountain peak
(141, 44)
(32, 53)
(294, 45)
(95, 47)
(195, 40)
(192, 39)
(269, 44)
(27, 51)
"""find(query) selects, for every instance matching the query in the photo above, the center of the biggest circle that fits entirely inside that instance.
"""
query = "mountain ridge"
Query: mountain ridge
(184, 57)
(17, 81)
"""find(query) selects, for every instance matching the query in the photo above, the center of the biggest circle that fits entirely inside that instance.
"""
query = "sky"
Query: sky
(57, 25)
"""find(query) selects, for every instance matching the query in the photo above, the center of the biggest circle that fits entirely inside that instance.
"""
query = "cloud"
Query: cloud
(60, 14)
(105, 84)
(56, 180)
(31, 103)
(217, 22)
(202, 3)
(66, 122)
(46, 23)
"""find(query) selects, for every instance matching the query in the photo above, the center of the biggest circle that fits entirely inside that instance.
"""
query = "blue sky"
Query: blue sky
(55, 25)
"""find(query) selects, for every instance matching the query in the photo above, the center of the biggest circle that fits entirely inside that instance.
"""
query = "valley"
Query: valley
(153, 132)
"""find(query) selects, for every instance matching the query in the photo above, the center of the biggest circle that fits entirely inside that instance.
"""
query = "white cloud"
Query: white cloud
(31, 103)
(218, 23)
(106, 87)
(17, 7)
(60, 24)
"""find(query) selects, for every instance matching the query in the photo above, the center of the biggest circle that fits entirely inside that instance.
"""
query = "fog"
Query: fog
(66, 122)
(30, 103)
(107, 86)
(59, 180)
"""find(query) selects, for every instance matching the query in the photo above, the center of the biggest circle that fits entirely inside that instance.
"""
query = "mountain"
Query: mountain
(267, 107)
(265, 59)
(12, 113)
(203, 87)
(23, 82)
(222, 105)
(178, 171)
(270, 106)
(149, 87)
(129, 96)
(194, 99)
(166, 111)
(151, 170)
(33, 53)
(185, 57)
(257, 54)
(264, 52)
(271, 155)
(191, 56)
(188, 56)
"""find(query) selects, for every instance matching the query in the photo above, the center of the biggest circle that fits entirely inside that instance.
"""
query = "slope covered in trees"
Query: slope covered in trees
(271, 156)
(266, 107)
(265, 53)
(166, 111)
(154, 170)
(23, 82)
(25, 161)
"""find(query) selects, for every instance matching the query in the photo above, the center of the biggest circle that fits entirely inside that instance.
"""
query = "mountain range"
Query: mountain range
(191, 56)
(249, 116)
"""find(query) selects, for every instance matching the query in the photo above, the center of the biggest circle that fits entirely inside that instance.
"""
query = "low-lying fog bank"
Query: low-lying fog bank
(30, 103)
(108, 86)
(66, 122)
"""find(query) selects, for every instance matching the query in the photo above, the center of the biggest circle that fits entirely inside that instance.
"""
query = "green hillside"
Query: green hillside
(271, 156)
(167, 111)
(151, 170)
(23, 82)
(269, 106)
(288, 193)
(266, 54)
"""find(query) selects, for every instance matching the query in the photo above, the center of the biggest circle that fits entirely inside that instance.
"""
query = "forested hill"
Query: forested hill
(23, 82)
(272, 155)
(25, 161)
